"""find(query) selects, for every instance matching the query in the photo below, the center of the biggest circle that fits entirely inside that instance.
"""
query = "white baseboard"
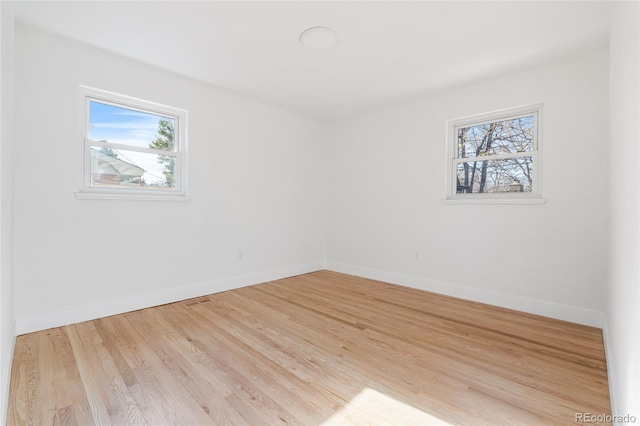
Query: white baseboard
(608, 353)
(6, 378)
(524, 304)
(58, 318)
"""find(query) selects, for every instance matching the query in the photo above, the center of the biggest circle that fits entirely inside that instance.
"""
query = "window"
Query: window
(495, 157)
(132, 148)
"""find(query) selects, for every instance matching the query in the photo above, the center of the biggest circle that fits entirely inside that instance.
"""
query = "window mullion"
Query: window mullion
(105, 144)
(494, 157)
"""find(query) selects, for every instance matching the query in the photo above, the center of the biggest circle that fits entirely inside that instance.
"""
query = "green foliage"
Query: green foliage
(164, 142)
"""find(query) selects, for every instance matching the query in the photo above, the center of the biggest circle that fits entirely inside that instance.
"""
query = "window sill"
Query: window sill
(537, 200)
(91, 195)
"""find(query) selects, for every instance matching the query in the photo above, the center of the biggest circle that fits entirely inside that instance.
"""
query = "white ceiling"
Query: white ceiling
(387, 52)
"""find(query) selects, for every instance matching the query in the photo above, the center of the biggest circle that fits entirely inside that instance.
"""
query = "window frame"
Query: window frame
(452, 160)
(180, 117)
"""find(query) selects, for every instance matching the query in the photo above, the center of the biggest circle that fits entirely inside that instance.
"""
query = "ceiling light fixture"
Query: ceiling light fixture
(318, 38)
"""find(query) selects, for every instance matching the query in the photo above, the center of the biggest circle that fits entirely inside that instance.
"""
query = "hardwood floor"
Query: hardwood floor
(320, 348)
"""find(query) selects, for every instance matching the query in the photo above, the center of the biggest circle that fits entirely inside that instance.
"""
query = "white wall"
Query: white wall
(386, 180)
(7, 334)
(256, 177)
(623, 306)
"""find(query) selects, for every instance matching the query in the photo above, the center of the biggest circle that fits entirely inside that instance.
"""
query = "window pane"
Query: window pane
(121, 168)
(126, 126)
(500, 137)
(495, 176)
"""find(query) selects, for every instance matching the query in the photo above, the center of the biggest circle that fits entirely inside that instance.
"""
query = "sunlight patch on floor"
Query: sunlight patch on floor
(374, 408)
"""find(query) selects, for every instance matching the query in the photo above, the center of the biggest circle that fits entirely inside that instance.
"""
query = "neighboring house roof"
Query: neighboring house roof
(114, 168)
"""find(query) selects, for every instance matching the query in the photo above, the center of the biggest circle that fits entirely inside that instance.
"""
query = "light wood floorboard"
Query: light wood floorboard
(321, 348)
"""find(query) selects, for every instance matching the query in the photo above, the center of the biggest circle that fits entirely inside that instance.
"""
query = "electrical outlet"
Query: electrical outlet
(240, 254)
(418, 256)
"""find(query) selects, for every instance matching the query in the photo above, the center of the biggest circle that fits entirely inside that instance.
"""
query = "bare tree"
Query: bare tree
(513, 136)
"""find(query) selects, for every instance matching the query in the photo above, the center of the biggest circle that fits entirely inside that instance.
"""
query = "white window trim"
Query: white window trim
(88, 192)
(533, 197)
